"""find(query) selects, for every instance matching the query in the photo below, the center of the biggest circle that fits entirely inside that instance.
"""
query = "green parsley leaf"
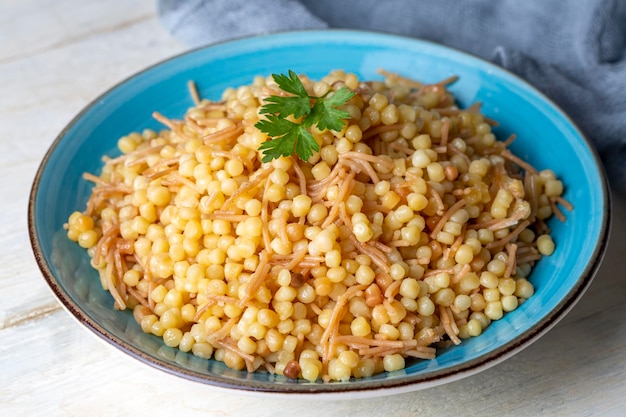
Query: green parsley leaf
(325, 113)
(299, 104)
(290, 84)
(284, 106)
(275, 126)
(306, 144)
(289, 137)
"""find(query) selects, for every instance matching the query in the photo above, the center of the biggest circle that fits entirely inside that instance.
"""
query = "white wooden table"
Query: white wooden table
(55, 57)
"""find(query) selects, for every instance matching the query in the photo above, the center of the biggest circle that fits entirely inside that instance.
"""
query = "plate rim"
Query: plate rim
(379, 387)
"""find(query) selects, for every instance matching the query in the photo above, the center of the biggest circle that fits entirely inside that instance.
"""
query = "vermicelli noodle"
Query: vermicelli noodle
(410, 230)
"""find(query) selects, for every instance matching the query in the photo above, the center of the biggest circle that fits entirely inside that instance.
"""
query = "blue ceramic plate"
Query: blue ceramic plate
(545, 137)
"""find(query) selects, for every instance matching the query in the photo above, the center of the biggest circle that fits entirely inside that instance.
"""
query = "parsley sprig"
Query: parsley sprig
(288, 137)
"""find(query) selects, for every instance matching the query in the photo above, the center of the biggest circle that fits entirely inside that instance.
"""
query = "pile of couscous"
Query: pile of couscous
(411, 229)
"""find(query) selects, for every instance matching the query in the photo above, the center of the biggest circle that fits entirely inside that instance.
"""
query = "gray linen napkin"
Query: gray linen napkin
(572, 50)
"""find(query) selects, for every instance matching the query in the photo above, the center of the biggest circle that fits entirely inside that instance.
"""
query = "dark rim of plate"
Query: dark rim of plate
(385, 387)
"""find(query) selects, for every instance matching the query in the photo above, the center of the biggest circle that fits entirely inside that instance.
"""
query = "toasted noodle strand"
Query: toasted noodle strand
(193, 92)
(258, 179)
(257, 278)
(449, 325)
(555, 209)
(521, 163)
(301, 178)
(372, 254)
(437, 200)
(445, 131)
(165, 121)
(346, 186)
(225, 135)
(392, 76)
(499, 243)
(510, 264)
(333, 324)
(446, 216)
(381, 129)
(377, 256)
